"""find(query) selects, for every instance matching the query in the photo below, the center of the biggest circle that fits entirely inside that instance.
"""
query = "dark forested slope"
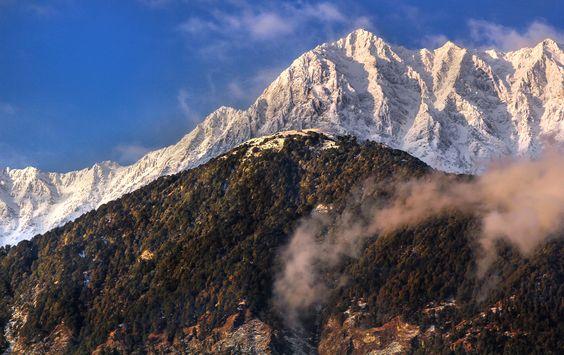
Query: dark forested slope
(187, 264)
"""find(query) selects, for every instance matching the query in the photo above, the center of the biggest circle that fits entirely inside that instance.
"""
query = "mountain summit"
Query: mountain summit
(452, 107)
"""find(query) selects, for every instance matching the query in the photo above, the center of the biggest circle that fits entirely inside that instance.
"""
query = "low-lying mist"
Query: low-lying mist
(519, 201)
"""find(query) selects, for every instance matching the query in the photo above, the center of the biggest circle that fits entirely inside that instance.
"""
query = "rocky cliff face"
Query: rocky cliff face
(452, 107)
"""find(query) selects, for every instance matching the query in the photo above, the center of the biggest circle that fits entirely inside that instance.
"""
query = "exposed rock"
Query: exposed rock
(56, 343)
(240, 334)
(354, 336)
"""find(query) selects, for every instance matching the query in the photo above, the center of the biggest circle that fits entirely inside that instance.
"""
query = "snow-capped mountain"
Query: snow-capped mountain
(452, 107)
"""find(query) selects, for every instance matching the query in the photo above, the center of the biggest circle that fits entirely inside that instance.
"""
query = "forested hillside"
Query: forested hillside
(187, 264)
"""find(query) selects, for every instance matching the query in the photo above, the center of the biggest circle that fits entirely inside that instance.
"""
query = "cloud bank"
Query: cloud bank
(521, 202)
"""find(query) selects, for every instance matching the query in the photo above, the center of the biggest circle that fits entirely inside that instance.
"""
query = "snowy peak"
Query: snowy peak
(361, 39)
(452, 107)
(549, 46)
(449, 45)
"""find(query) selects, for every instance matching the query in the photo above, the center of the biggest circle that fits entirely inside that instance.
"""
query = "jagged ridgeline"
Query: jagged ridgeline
(188, 262)
(454, 108)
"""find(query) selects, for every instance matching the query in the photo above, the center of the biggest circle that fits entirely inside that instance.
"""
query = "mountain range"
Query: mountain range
(452, 107)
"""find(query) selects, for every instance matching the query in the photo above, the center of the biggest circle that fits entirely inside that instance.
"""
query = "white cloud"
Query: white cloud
(484, 33)
(325, 12)
(268, 25)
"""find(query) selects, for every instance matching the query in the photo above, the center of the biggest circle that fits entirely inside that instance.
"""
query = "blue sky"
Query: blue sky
(92, 80)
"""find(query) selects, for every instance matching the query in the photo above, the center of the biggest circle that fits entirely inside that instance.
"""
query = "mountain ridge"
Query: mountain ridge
(452, 107)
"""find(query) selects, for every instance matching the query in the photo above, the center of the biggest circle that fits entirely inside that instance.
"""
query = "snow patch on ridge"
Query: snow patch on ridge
(276, 141)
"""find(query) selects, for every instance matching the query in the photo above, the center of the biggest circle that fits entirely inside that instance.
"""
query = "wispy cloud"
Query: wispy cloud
(7, 108)
(155, 3)
(486, 33)
(268, 21)
(433, 41)
(248, 89)
(35, 7)
(6, 2)
(363, 22)
(183, 103)
(195, 25)
(129, 153)
(42, 10)
(269, 27)
(236, 90)
(11, 158)
(258, 26)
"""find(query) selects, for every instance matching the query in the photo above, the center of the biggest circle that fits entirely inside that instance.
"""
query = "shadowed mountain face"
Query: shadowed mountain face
(189, 264)
(452, 107)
